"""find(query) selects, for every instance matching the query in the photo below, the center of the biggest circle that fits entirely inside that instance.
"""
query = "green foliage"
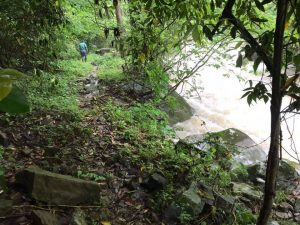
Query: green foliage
(11, 98)
(54, 91)
(27, 34)
(281, 196)
(109, 67)
(185, 217)
(158, 79)
(15, 102)
(244, 217)
(91, 176)
(258, 92)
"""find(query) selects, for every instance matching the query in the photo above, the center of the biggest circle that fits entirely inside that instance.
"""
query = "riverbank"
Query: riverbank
(86, 127)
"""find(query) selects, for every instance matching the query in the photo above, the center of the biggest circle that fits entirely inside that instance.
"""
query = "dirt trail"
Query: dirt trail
(87, 149)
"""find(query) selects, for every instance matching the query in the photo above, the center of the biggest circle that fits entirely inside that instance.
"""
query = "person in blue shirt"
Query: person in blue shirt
(83, 50)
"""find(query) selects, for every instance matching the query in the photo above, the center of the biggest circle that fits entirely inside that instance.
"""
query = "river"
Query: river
(219, 106)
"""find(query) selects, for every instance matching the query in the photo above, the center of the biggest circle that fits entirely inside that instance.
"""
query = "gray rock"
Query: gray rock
(205, 192)
(191, 202)
(225, 203)
(257, 170)
(285, 207)
(188, 202)
(283, 215)
(56, 188)
(41, 217)
(155, 182)
(249, 152)
(192, 142)
(182, 112)
(287, 171)
(247, 191)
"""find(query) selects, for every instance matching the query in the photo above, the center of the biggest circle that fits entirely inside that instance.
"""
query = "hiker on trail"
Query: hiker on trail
(83, 50)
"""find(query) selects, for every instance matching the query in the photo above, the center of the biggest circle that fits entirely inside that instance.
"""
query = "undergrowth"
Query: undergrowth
(109, 67)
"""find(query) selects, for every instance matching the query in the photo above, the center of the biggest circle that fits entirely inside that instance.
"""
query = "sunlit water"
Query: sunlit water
(220, 107)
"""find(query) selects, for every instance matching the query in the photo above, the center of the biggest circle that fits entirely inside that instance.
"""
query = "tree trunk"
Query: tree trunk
(119, 17)
(119, 14)
(273, 157)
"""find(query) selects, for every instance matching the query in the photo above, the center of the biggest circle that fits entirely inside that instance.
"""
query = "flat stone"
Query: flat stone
(285, 207)
(56, 188)
(41, 217)
(283, 215)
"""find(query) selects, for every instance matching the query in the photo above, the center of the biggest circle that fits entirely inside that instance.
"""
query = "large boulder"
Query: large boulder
(287, 178)
(56, 188)
(189, 202)
(249, 152)
(181, 112)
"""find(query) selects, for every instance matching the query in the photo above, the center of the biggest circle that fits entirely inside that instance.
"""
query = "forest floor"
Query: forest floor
(85, 147)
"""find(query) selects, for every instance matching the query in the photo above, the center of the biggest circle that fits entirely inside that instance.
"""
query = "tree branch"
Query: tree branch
(227, 14)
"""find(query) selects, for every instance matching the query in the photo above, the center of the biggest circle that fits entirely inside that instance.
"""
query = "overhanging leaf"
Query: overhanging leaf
(15, 102)
(5, 88)
(196, 34)
(14, 74)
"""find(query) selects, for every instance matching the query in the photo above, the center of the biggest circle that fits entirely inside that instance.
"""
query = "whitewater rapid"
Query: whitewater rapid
(219, 106)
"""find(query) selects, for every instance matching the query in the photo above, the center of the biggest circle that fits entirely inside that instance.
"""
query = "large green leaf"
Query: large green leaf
(12, 73)
(7, 76)
(5, 88)
(15, 102)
